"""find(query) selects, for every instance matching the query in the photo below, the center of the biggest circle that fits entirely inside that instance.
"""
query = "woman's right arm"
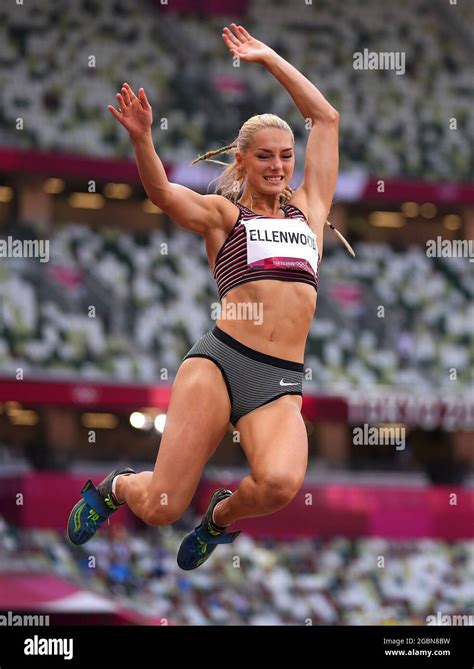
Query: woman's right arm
(191, 210)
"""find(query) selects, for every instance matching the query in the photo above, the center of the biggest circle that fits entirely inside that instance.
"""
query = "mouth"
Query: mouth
(273, 179)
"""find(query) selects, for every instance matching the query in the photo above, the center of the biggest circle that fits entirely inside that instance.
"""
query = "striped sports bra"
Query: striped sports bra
(261, 247)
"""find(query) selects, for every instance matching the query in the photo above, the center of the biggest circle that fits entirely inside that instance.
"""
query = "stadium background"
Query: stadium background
(90, 340)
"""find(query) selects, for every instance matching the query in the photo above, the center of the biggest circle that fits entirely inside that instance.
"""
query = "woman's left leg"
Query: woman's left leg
(275, 441)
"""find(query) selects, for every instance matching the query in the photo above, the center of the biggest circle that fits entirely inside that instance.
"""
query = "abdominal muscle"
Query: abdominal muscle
(270, 316)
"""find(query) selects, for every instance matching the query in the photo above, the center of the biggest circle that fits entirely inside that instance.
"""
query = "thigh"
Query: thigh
(275, 440)
(197, 420)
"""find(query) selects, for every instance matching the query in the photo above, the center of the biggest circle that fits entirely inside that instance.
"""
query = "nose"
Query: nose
(276, 165)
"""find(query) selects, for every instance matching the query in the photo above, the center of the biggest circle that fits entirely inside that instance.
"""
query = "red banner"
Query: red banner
(426, 412)
(397, 190)
(68, 165)
(84, 395)
(45, 500)
(126, 397)
(393, 512)
(350, 187)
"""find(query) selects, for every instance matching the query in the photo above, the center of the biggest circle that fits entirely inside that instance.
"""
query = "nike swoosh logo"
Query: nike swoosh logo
(282, 383)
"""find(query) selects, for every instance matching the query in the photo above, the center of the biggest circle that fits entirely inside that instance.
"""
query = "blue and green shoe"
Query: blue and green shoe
(95, 506)
(199, 544)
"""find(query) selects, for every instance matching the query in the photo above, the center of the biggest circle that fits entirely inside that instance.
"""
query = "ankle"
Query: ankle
(219, 520)
(116, 489)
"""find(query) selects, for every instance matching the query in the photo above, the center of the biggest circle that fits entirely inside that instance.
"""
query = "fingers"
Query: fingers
(230, 36)
(130, 92)
(114, 112)
(143, 99)
(230, 45)
(126, 95)
(244, 33)
(121, 102)
(125, 100)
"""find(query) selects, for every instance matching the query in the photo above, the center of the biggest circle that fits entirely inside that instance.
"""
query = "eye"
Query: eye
(288, 157)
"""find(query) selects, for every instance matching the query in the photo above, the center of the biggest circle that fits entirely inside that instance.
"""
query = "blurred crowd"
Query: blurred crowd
(61, 63)
(265, 582)
(112, 305)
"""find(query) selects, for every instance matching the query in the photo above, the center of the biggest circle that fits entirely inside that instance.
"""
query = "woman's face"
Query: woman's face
(270, 154)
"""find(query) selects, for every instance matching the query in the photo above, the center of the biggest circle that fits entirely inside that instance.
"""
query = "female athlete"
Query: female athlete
(264, 243)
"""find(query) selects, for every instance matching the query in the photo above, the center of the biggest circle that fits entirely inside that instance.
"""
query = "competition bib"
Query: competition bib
(281, 243)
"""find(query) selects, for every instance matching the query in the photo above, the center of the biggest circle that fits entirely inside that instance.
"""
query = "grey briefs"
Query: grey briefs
(252, 378)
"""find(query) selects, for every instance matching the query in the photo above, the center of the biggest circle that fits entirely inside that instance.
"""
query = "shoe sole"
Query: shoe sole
(74, 510)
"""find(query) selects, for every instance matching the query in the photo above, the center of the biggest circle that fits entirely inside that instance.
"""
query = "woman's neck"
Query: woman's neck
(267, 205)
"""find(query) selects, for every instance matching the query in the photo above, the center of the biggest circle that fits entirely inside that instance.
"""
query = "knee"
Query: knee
(280, 489)
(157, 514)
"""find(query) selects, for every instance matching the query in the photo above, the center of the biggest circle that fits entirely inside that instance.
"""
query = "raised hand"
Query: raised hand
(135, 113)
(244, 46)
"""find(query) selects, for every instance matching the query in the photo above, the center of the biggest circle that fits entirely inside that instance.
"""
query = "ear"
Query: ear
(240, 163)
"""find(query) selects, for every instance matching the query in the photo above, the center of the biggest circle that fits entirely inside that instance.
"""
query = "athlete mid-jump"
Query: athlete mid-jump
(264, 243)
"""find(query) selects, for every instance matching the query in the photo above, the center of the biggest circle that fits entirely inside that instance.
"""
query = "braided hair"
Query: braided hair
(230, 182)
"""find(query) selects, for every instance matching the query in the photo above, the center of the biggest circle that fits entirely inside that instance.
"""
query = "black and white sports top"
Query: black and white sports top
(261, 247)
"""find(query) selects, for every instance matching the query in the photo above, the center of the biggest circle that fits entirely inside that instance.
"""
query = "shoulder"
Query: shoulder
(315, 216)
(225, 219)
(215, 210)
(223, 204)
(227, 210)
(215, 203)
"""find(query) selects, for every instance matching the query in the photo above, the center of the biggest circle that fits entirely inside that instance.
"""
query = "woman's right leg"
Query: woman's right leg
(196, 422)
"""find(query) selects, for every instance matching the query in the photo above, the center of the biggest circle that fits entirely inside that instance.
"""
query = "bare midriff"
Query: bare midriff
(269, 316)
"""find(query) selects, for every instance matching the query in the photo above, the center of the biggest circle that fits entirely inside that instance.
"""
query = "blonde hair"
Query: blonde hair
(231, 181)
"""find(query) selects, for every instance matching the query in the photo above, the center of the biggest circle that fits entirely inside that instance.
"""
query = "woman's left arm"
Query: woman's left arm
(322, 149)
